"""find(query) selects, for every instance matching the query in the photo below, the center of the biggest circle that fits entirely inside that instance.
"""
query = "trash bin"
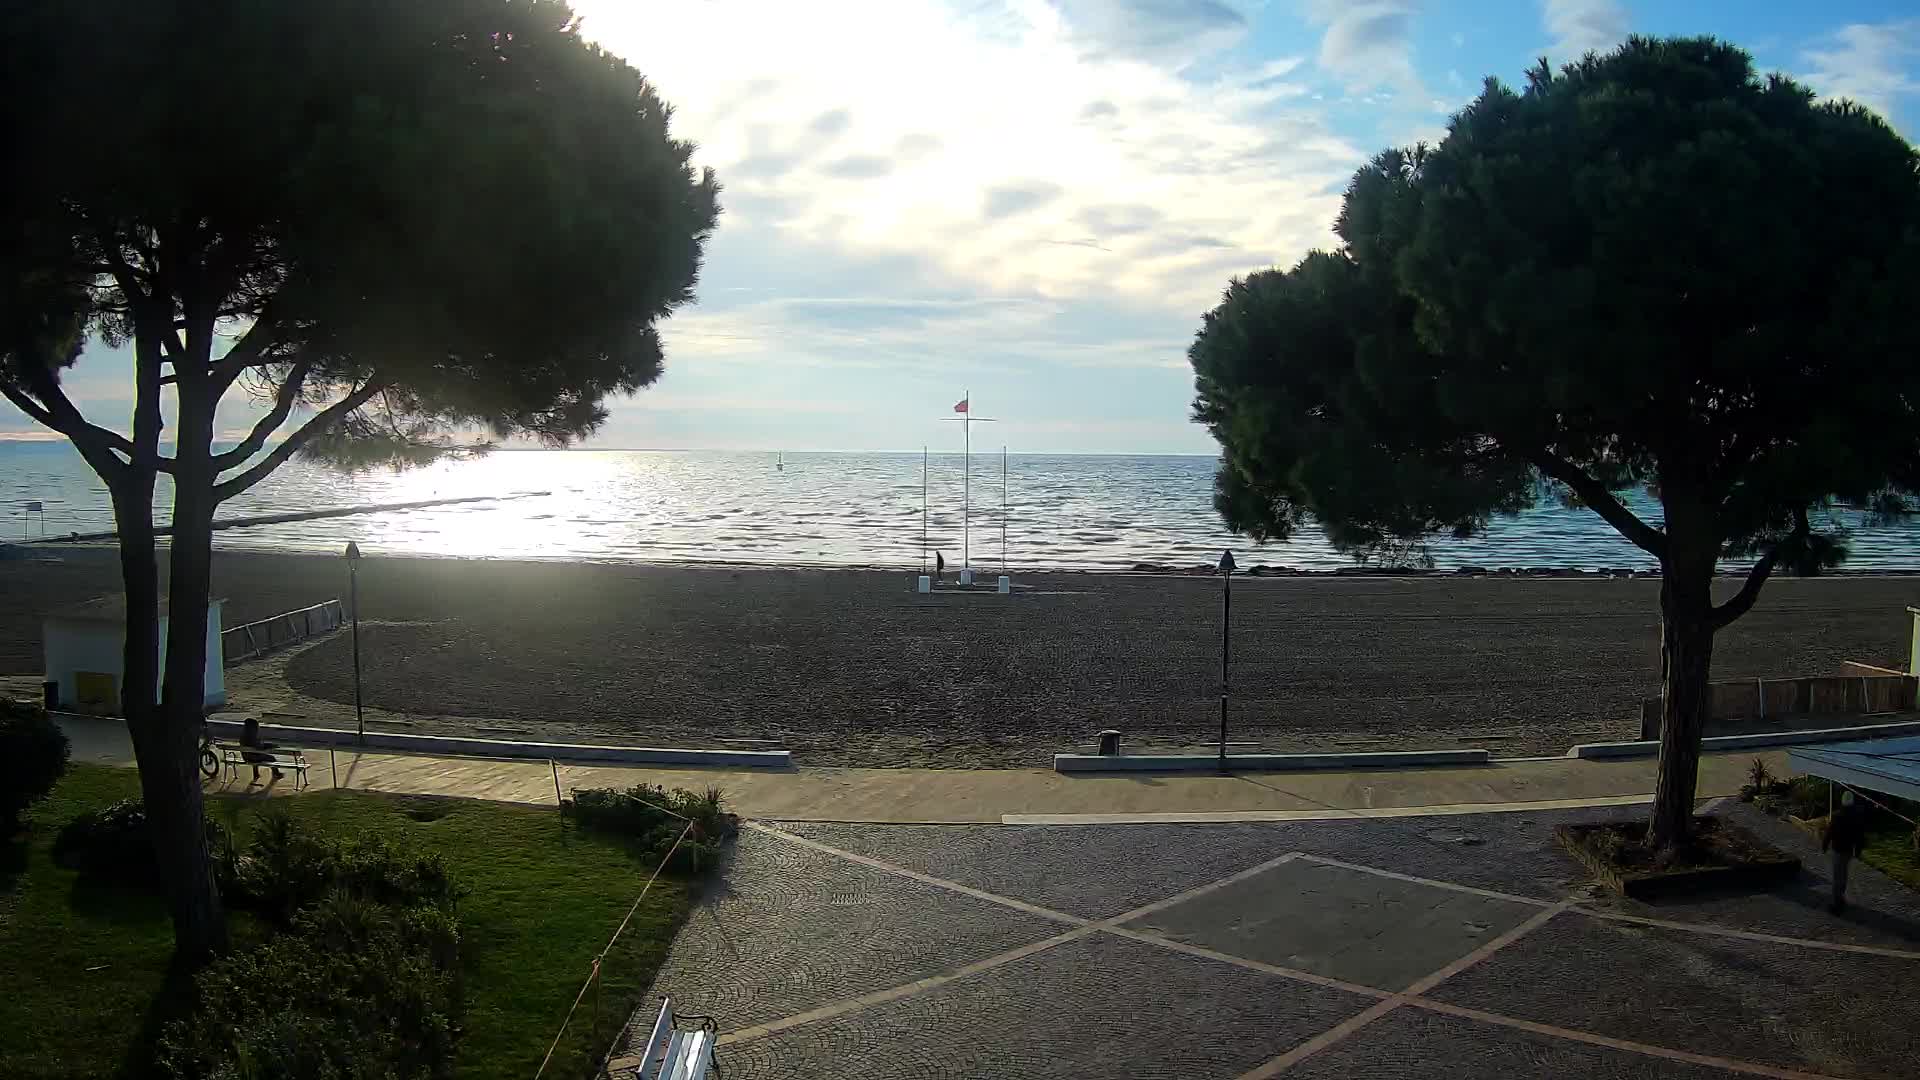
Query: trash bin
(1109, 743)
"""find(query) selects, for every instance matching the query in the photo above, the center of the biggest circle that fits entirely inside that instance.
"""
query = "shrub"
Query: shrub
(652, 817)
(355, 989)
(363, 983)
(33, 758)
(287, 866)
(112, 842)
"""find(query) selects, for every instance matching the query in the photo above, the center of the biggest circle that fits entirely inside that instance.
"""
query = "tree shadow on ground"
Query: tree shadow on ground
(13, 862)
(113, 895)
(172, 1001)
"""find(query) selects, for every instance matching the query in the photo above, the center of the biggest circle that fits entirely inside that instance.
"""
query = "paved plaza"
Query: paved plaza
(1456, 946)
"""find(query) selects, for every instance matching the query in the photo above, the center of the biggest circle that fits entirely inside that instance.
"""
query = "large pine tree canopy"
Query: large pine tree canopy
(459, 213)
(1651, 267)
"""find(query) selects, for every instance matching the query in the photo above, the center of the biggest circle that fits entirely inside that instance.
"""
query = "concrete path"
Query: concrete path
(1466, 947)
(1011, 796)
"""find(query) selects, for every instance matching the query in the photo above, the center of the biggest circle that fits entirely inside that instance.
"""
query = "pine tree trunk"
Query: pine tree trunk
(179, 833)
(1686, 665)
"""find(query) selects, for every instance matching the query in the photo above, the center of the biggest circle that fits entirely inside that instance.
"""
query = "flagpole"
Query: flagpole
(966, 479)
(1003, 508)
(923, 509)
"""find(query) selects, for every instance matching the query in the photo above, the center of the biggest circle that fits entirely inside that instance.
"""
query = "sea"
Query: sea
(1028, 511)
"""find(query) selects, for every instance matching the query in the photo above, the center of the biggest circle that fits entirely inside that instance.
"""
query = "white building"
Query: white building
(84, 644)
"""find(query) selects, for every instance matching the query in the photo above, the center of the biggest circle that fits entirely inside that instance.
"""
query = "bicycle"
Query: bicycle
(209, 756)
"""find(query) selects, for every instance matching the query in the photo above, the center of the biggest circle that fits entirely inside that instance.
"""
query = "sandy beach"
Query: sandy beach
(850, 667)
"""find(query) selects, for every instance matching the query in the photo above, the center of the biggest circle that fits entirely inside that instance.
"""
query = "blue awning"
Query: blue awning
(1889, 766)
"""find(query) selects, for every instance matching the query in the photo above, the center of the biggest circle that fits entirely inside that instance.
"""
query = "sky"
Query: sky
(1033, 201)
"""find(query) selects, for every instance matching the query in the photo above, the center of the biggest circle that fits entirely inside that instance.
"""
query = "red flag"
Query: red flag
(961, 406)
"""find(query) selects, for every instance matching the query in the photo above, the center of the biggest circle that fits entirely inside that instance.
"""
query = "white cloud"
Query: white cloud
(1872, 64)
(1368, 44)
(1582, 26)
(1001, 127)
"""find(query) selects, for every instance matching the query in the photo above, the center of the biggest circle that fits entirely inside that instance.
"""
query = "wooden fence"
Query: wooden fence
(1856, 693)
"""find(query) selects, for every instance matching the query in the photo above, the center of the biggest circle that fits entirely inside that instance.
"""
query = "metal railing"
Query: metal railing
(253, 639)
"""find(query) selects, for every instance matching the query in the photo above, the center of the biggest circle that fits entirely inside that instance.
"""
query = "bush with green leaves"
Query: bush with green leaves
(287, 866)
(113, 842)
(652, 817)
(1800, 796)
(363, 982)
(33, 758)
(356, 988)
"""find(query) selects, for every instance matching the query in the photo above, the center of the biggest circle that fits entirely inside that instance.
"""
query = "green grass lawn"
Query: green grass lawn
(87, 965)
(1890, 851)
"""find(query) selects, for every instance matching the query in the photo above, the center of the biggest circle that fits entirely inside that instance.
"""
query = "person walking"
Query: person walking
(1846, 836)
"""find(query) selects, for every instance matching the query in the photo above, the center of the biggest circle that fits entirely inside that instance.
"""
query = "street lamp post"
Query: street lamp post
(1226, 644)
(353, 596)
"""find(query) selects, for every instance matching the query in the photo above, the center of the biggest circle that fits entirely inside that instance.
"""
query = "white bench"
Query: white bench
(672, 1054)
(279, 759)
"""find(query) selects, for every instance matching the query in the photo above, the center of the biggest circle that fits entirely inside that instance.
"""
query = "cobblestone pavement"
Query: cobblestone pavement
(1416, 947)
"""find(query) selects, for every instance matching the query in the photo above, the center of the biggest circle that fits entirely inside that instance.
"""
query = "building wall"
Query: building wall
(74, 646)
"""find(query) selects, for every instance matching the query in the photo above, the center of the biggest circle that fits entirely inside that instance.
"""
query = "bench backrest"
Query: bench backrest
(671, 1054)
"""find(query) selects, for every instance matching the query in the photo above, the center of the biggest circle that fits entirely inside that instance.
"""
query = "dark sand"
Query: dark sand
(850, 667)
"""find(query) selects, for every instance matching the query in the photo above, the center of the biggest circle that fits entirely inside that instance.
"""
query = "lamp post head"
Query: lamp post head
(1226, 562)
(353, 553)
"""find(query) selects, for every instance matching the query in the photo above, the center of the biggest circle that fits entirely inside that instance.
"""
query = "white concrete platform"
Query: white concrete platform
(1390, 759)
(450, 745)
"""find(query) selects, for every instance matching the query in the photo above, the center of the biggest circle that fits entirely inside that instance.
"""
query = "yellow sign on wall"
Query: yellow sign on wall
(96, 691)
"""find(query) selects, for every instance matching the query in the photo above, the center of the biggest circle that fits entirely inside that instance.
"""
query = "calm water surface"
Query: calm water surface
(826, 509)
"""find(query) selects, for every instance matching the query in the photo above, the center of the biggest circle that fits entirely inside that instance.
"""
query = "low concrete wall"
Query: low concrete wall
(1091, 763)
(454, 746)
(1861, 689)
(1650, 747)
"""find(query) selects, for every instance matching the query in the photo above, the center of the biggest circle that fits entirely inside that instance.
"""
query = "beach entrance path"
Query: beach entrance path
(1465, 945)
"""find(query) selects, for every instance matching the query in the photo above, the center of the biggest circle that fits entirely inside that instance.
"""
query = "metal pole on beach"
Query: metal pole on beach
(923, 509)
(353, 594)
(1003, 508)
(966, 479)
(1226, 644)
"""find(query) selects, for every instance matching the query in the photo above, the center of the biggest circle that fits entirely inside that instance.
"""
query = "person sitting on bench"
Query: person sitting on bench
(254, 752)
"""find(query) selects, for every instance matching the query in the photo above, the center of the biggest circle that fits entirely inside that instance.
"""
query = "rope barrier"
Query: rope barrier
(593, 974)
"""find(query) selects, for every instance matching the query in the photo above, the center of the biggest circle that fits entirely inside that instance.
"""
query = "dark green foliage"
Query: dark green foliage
(463, 201)
(355, 989)
(362, 982)
(653, 817)
(1651, 267)
(33, 758)
(1801, 796)
(114, 843)
(286, 866)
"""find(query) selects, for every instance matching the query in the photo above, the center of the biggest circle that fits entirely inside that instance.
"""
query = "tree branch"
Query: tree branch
(96, 444)
(245, 353)
(323, 420)
(1602, 502)
(1742, 602)
(283, 403)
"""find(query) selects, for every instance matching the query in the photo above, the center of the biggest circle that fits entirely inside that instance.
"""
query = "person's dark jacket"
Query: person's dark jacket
(1847, 831)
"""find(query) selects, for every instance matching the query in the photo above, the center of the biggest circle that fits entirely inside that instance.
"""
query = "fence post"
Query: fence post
(556, 783)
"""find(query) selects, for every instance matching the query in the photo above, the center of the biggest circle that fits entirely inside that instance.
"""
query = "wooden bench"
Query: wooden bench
(279, 759)
(673, 1054)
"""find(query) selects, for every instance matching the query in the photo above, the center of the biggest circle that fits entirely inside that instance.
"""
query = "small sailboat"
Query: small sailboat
(780, 461)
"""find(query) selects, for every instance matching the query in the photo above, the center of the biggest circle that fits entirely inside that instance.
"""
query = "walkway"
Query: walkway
(1018, 796)
(1466, 946)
